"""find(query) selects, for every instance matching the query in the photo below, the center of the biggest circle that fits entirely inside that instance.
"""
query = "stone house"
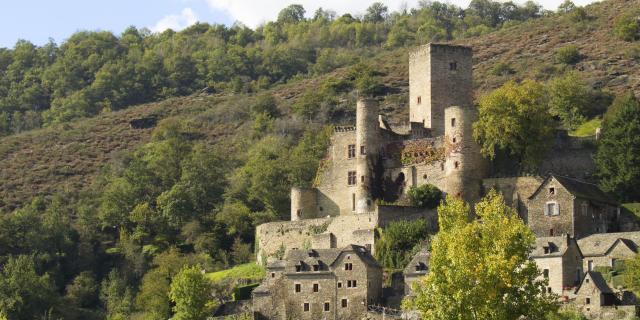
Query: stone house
(605, 249)
(563, 205)
(593, 294)
(560, 261)
(418, 267)
(319, 284)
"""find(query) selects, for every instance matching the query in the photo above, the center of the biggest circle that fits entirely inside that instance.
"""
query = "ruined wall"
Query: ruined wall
(304, 203)
(515, 190)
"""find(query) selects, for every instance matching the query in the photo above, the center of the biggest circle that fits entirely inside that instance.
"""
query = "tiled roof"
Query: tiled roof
(550, 247)
(599, 243)
(326, 257)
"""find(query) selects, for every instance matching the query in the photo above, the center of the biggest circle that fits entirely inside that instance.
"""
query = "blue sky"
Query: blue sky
(39, 20)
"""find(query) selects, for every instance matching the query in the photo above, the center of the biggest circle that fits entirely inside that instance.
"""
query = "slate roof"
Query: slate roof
(557, 246)
(420, 260)
(580, 189)
(326, 257)
(599, 244)
(597, 280)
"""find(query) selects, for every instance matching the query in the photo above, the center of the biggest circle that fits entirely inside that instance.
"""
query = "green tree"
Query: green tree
(569, 99)
(24, 294)
(617, 159)
(83, 291)
(399, 240)
(480, 269)
(376, 13)
(190, 292)
(515, 118)
(425, 196)
(627, 27)
(292, 14)
(116, 296)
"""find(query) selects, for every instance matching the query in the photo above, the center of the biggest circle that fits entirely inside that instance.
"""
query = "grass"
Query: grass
(250, 272)
(587, 129)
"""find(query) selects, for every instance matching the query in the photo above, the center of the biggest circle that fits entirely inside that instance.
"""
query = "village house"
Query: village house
(319, 284)
(417, 267)
(608, 249)
(560, 261)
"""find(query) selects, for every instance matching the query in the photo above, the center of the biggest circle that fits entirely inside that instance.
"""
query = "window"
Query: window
(326, 306)
(273, 274)
(424, 176)
(590, 265)
(613, 262)
(363, 150)
(551, 232)
(587, 301)
(456, 164)
(551, 209)
(316, 287)
(306, 307)
(345, 303)
(548, 289)
(348, 266)
(419, 100)
(351, 178)
(552, 190)
(354, 283)
(316, 267)
(339, 284)
(545, 273)
(454, 139)
(453, 122)
(349, 284)
(353, 202)
(298, 287)
(298, 268)
(362, 179)
(586, 280)
(453, 66)
(351, 151)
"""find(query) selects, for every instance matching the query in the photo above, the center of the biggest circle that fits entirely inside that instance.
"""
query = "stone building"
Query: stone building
(606, 249)
(563, 205)
(319, 284)
(417, 267)
(560, 261)
(594, 293)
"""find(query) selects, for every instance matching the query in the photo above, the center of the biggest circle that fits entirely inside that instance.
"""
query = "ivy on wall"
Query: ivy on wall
(416, 152)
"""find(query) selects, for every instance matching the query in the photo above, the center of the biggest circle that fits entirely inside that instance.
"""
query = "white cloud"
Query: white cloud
(176, 22)
(255, 12)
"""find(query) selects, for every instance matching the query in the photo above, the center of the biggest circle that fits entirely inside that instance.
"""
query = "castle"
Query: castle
(374, 163)
(362, 185)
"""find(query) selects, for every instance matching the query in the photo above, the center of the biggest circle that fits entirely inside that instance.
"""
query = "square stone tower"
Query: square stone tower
(439, 76)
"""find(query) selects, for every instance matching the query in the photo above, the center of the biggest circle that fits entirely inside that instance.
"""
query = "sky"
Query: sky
(41, 20)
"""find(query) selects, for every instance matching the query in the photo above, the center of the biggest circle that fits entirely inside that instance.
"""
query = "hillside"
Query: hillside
(69, 156)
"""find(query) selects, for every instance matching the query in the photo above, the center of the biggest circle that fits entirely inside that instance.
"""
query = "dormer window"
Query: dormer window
(547, 250)
(298, 268)
(316, 267)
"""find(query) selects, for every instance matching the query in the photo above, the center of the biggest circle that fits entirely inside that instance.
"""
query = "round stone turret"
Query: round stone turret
(367, 141)
(304, 204)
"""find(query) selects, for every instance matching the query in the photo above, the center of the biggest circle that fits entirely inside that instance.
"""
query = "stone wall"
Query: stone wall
(336, 196)
(548, 225)
(515, 191)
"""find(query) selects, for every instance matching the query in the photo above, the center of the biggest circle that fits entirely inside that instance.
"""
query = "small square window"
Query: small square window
(453, 66)
(552, 191)
(586, 280)
(545, 273)
(587, 301)
(326, 306)
(345, 303)
(316, 287)
(298, 287)
(273, 274)
(316, 267)
(306, 307)
(339, 284)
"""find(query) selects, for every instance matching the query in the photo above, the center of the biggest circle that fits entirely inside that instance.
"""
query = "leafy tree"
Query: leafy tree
(566, 6)
(617, 159)
(308, 104)
(376, 13)
(265, 104)
(515, 118)
(480, 269)
(24, 294)
(116, 296)
(425, 196)
(569, 99)
(83, 291)
(190, 292)
(292, 14)
(399, 240)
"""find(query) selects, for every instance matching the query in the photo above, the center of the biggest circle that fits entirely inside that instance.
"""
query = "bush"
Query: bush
(425, 196)
(399, 241)
(627, 27)
(502, 69)
(568, 54)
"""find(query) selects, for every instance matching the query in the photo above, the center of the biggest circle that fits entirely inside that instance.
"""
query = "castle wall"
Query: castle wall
(464, 166)
(515, 190)
(335, 195)
(304, 203)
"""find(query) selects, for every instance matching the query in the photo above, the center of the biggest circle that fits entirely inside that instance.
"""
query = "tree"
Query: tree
(617, 158)
(515, 118)
(399, 241)
(116, 296)
(292, 14)
(190, 292)
(480, 269)
(632, 274)
(566, 7)
(627, 27)
(376, 13)
(425, 196)
(24, 294)
(83, 291)
(569, 99)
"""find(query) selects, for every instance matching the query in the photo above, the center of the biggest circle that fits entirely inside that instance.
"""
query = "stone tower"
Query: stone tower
(367, 142)
(439, 76)
(464, 165)
(303, 203)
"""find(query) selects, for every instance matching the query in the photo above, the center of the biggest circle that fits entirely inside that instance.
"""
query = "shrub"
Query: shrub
(568, 54)
(425, 196)
(627, 27)
(398, 242)
(502, 69)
